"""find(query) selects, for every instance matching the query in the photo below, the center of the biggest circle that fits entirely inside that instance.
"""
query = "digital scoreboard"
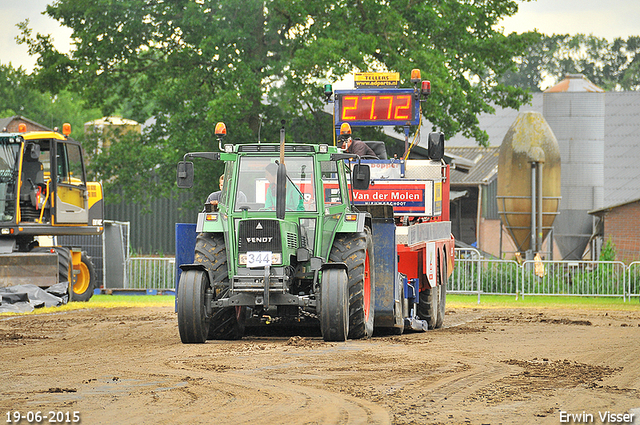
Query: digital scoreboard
(377, 107)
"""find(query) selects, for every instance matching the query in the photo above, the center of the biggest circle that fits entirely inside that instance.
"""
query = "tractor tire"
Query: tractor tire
(227, 323)
(85, 282)
(193, 322)
(334, 306)
(356, 251)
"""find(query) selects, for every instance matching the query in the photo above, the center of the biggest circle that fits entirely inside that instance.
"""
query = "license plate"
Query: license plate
(258, 258)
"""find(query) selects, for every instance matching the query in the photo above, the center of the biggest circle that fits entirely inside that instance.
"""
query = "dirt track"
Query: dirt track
(488, 366)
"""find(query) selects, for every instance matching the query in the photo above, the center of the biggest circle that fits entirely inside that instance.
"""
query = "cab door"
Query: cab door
(71, 196)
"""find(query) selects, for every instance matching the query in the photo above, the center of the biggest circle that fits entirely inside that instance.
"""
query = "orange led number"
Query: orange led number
(403, 108)
(390, 98)
(353, 108)
(372, 116)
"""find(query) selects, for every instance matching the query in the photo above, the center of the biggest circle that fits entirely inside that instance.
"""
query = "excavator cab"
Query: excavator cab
(44, 193)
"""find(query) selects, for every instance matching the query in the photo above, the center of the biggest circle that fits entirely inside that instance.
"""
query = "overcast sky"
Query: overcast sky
(608, 19)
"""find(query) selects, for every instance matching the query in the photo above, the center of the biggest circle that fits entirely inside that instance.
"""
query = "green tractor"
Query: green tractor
(283, 245)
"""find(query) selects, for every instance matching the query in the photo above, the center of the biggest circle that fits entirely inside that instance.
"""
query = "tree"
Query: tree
(19, 96)
(251, 63)
(610, 65)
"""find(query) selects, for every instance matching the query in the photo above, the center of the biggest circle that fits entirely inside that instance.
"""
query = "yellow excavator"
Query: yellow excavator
(44, 193)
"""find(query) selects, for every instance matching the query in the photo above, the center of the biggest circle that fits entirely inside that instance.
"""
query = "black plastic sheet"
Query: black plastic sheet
(26, 298)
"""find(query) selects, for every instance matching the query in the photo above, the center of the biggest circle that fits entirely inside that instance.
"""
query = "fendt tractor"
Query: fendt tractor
(44, 193)
(308, 234)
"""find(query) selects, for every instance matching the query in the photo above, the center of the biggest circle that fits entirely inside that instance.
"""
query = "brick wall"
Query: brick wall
(622, 225)
(12, 127)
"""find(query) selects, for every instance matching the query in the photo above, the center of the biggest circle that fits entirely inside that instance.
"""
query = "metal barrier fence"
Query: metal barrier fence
(472, 275)
(576, 278)
(151, 273)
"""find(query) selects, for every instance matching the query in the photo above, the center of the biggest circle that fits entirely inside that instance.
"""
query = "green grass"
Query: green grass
(453, 301)
(130, 301)
(563, 302)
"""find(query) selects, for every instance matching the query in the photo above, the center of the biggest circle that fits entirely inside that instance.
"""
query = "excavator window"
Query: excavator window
(69, 164)
(9, 150)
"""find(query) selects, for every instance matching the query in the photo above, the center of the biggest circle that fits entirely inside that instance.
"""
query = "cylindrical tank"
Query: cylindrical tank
(574, 109)
(529, 139)
(110, 129)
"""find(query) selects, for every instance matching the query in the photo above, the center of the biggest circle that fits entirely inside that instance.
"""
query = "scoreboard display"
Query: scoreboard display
(377, 107)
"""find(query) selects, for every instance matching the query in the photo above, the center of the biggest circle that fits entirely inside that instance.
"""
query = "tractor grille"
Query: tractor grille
(292, 240)
(259, 235)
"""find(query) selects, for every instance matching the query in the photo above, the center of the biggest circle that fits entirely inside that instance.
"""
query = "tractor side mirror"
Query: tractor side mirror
(185, 174)
(436, 146)
(361, 176)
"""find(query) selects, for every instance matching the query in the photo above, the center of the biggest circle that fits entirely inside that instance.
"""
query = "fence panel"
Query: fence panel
(499, 277)
(588, 278)
(473, 274)
(633, 279)
(465, 276)
(151, 273)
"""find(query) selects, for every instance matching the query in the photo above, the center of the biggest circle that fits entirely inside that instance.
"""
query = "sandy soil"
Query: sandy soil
(488, 366)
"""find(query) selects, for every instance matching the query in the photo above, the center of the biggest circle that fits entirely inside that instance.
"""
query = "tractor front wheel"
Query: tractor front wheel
(226, 322)
(334, 307)
(193, 322)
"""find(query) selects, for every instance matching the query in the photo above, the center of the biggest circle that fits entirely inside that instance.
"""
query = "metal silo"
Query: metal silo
(574, 109)
(529, 180)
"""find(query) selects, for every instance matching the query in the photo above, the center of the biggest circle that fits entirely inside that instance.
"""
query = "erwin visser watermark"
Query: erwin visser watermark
(605, 417)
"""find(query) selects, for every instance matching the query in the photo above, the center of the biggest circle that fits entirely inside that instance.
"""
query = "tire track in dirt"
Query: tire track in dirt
(241, 398)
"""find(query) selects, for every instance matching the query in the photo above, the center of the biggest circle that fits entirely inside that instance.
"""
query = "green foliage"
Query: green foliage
(252, 63)
(610, 65)
(20, 96)
(608, 252)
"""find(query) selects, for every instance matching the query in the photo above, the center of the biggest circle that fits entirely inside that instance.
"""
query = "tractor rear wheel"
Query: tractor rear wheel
(227, 322)
(84, 284)
(334, 307)
(356, 251)
(193, 322)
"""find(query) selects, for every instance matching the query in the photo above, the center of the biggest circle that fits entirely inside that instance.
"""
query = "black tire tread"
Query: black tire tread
(193, 324)
(334, 316)
(226, 323)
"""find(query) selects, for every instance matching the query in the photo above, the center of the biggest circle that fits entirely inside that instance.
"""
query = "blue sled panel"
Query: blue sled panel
(185, 248)
(385, 264)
